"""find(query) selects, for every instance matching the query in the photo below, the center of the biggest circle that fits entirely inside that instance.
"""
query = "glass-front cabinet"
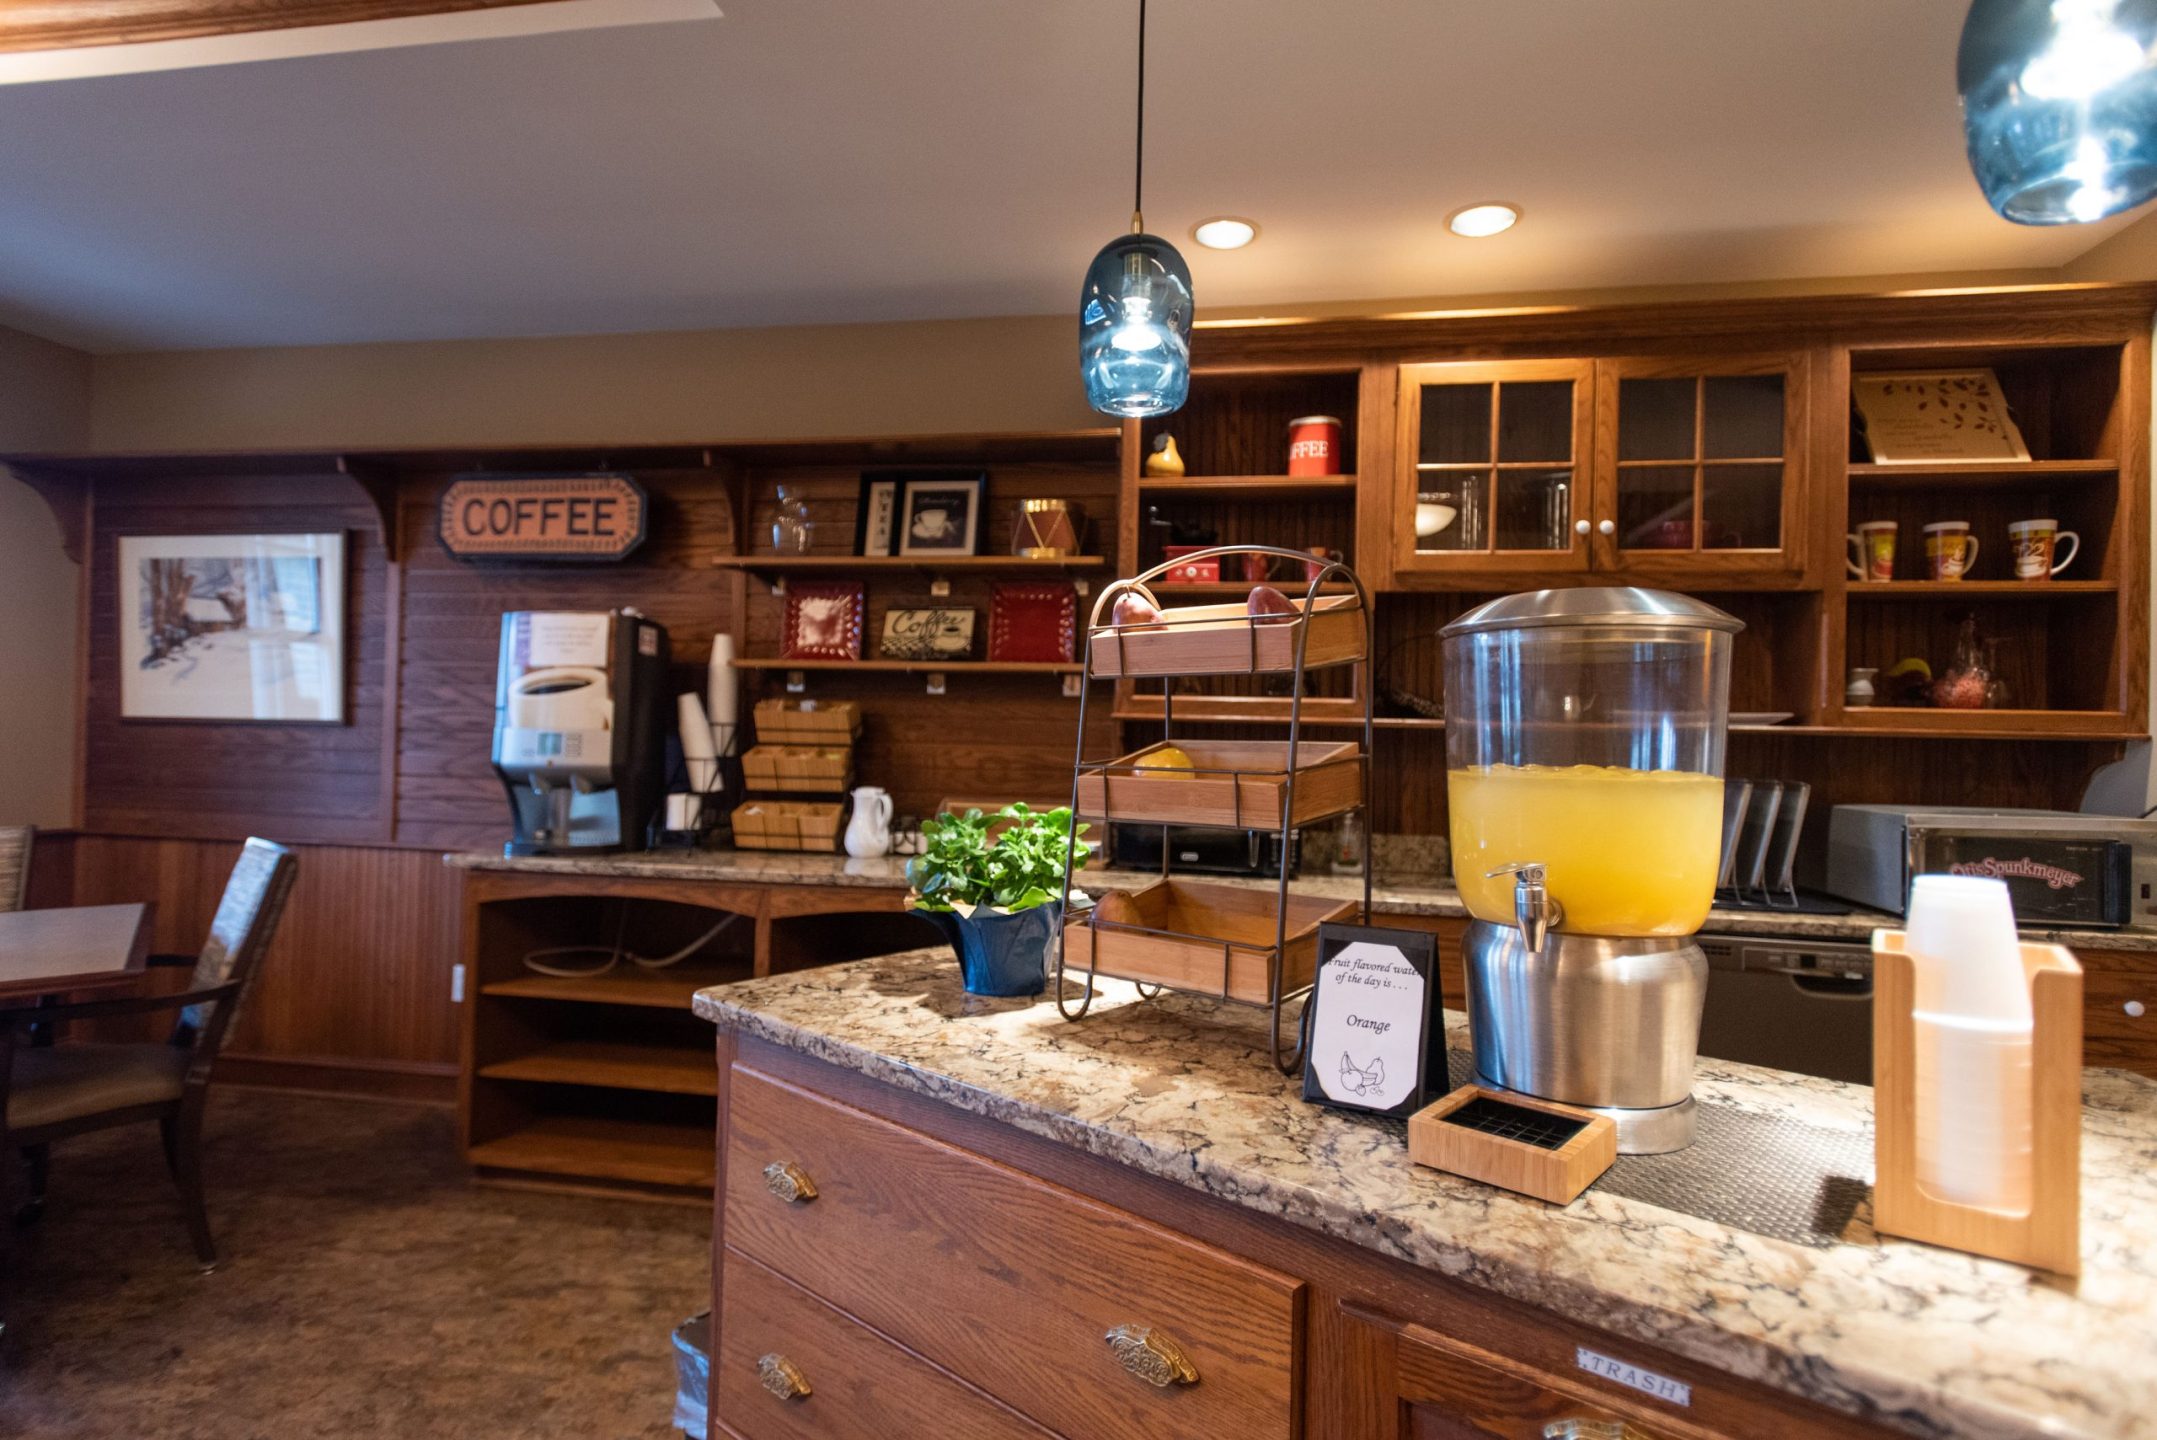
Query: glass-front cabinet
(1494, 455)
(1687, 471)
(1699, 468)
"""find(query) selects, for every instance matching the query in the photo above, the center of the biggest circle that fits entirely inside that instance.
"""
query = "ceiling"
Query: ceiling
(809, 161)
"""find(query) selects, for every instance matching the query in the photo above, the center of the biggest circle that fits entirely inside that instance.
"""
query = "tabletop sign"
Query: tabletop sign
(574, 518)
(1375, 1038)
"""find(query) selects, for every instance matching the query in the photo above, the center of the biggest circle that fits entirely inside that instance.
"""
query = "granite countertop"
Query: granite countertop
(1929, 1341)
(1398, 893)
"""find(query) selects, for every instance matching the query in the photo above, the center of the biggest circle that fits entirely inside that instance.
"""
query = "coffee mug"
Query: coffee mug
(1313, 568)
(1255, 567)
(1950, 549)
(2033, 543)
(1873, 551)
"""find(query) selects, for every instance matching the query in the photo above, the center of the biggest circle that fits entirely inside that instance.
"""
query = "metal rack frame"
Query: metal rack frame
(1286, 1058)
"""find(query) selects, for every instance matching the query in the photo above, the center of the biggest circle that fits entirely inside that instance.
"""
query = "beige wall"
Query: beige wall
(711, 385)
(44, 405)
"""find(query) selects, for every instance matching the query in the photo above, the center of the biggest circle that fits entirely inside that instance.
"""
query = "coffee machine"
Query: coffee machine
(1584, 758)
(580, 702)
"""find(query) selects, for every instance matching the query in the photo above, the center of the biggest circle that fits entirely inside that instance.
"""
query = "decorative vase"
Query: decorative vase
(1968, 681)
(1164, 461)
(1001, 954)
(1860, 692)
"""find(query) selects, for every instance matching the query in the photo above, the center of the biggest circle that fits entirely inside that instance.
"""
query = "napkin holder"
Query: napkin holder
(2048, 1237)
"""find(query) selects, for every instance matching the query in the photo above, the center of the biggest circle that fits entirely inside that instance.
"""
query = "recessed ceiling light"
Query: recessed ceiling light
(1225, 232)
(1477, 221)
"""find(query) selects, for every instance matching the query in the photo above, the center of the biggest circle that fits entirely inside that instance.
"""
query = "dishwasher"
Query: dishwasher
(1789, 1004)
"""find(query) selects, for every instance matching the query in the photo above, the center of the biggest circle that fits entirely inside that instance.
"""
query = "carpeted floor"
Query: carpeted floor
(368, 1289)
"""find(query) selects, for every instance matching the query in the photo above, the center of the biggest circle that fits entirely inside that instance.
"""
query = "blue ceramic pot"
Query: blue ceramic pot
(1001, 954)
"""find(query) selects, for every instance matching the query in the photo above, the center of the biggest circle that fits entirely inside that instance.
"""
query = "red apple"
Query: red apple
(1268, 606)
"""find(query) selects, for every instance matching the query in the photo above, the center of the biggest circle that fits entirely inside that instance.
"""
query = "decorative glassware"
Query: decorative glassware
(1968, 678)
(2059, 106)
(791, 527)
(1135, 327)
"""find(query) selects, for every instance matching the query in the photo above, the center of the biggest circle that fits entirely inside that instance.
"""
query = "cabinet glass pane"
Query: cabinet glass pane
(1655, 419)
(1744, 505)
(1535, 421)
(1534, 510)
(1451, 511)
(1456, 425)
(1655, 507)
(1744, 417)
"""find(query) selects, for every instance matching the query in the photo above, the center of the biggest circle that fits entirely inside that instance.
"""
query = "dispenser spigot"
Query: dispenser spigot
(1535, 910)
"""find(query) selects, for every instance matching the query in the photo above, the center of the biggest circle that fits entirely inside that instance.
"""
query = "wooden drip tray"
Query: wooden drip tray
(1225, 640)
(1238, 784)
(1208, 939)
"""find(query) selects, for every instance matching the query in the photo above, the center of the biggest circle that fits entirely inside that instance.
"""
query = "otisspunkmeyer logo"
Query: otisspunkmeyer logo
(2059, 877)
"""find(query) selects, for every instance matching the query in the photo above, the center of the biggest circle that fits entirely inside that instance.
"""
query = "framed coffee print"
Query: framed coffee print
(232, 627)
(941, 513)
(928, 631)
(876, 517)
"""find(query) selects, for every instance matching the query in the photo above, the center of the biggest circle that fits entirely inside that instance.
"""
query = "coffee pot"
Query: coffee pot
(868, 834)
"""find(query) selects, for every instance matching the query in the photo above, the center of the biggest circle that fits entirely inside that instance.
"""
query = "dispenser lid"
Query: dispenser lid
(1594, 605)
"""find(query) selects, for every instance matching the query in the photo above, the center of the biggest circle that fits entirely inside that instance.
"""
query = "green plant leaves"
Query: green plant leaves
(1021, 868)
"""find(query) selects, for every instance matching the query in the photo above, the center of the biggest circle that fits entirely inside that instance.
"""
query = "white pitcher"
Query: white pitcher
(869, 833)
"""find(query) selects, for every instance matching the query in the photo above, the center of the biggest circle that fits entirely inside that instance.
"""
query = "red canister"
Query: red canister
(1314, 445)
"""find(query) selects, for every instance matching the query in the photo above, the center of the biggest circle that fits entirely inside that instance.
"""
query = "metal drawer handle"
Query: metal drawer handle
(1592, 1430)
(1151, 1356)
(789, 1182)
(777, 1374)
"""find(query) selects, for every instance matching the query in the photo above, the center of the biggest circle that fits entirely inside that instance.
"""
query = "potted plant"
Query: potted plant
(992, 884)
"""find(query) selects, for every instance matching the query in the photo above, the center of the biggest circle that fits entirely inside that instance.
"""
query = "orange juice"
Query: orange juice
(1627, 852)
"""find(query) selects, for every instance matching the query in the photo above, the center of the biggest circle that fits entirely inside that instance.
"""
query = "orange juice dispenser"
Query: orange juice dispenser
(1584, 777)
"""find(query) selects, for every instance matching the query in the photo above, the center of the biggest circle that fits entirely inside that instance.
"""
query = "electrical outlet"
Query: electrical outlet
(456, 984)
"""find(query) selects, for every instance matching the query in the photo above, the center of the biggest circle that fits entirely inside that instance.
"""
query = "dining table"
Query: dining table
(71, 949)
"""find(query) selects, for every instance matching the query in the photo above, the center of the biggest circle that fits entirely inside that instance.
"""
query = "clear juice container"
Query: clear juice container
(1584, 733)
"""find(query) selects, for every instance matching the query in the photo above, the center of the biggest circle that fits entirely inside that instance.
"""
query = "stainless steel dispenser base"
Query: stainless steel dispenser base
(1606, 1023)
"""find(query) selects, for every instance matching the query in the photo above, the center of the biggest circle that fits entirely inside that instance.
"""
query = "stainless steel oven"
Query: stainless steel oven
(1802, 1005)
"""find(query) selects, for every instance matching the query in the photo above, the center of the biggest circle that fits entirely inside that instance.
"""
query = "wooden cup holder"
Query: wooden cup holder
(2049, 1236)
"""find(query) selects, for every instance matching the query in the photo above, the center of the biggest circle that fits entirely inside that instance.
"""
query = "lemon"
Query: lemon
(1168, 757)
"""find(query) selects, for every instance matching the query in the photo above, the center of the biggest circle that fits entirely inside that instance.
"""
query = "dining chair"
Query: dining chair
(15, 864)
(49, 1092)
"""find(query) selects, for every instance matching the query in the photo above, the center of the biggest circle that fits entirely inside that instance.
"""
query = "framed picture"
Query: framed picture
(232, 627)
(876, 517)
(928, 632)
(823, 621)
(1376, 1038)
(941, 513)
(1911, 417)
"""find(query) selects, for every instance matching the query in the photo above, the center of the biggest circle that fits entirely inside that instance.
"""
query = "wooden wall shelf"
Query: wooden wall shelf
(916, 564)
(2033, 473)
(671, 989)
(921, 667)
(1248, 487)
(1979, 589)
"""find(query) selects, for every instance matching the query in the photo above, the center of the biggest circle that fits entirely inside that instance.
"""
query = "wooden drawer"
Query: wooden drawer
(2111, 1034)
(1007, 1281)
(861, 1387)
(1453, 1391)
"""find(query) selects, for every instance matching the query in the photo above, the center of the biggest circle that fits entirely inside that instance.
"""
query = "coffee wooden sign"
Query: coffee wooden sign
(588, 518)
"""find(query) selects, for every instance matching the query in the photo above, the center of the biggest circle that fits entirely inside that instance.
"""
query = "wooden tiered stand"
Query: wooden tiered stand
(1214, 939)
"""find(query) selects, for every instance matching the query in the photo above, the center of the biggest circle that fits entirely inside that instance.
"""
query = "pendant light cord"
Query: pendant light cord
(1138, 177)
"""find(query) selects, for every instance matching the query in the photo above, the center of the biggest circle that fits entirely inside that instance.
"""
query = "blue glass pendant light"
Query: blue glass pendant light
(2059, 102)
(1135, 307)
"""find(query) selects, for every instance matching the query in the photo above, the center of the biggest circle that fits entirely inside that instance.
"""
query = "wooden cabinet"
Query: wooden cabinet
(1029, 1291)
(1691, 471)
(908, 1260)
(1491, 459)
(1702, 473)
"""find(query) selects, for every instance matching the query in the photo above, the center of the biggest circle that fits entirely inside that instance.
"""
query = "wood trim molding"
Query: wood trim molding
(48, 25)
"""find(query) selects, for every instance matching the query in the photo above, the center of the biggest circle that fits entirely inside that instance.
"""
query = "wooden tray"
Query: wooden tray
(1556, 1172)
(799, 769)
(807, 722)
(1233, 783)
(1223, 640)
(787, 825)
(1209, 939)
